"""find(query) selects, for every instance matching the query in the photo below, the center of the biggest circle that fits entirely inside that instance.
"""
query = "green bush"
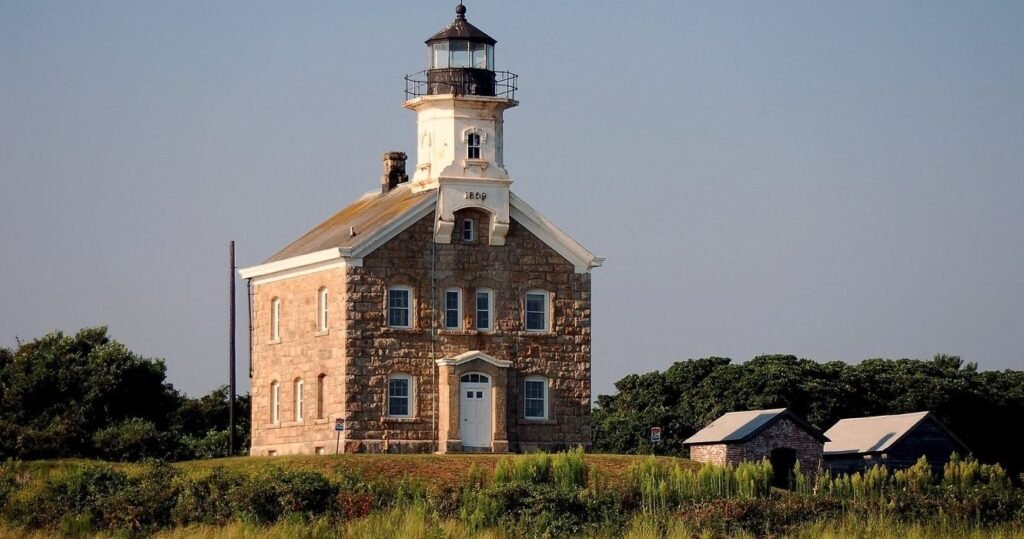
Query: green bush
(205, 498)
(80, 491)
(132, 439)
(273, 493)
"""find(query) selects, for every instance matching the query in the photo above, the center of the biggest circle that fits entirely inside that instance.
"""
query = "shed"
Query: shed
(778, 435)
(897, 441)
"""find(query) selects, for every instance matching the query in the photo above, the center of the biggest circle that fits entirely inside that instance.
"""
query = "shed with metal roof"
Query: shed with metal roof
(897, 441)
(777, 434)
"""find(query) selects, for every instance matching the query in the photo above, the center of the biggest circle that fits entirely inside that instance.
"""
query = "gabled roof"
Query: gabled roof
(375, 218)
(874, 434)
(737, 427)
(366, 217)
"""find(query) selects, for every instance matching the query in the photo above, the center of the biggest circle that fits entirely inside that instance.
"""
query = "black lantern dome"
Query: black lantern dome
(461, 59)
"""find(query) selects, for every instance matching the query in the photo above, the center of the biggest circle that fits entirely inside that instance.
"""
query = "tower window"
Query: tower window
(468, 230)
(452, 308)
(473, 145)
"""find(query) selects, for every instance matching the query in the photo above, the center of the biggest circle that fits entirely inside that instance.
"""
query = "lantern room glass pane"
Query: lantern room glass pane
(490, 57)
(460, 54)
(480, 56)
(439, 55)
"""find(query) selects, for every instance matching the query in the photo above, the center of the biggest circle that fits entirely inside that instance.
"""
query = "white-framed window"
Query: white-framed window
(468, 230)
(484, 309)
(275, 319)
(453, 308)
(473, 145)
(320, 381)
(537, 309)
(400, 307)
(535, 397)
(275, 402)
(321, 311)
(298, 398)
(400, 395)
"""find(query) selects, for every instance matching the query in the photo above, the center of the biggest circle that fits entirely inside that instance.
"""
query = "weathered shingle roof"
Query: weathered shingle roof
(736, 427)
(870, 434)
(366, 217)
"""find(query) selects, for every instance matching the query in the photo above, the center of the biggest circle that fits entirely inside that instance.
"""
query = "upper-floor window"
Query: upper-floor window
(468, 230)
(400, 307)
(298, 398)
(453, 308)
(275, 402)
(473, 145)
(484, 308)
(275, 319)
(535, 391)
(321, 311)
(400, 395)
(537, 310)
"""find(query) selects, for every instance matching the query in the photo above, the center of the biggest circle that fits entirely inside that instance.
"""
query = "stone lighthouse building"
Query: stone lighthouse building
(437, 313)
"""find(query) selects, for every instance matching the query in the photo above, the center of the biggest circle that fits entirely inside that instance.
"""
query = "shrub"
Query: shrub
(132, 439)
(81, 491)
(269, 494)
(205, 498)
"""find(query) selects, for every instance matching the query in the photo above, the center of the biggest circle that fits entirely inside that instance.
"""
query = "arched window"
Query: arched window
(320, 395)
(321, 312)
(275, 402)
(400, 395)
(538, 305)
(275, 319)
(298, 399)
(453, 308)
(535, 401)
(473, 145)
(400, 307)
(484, 309)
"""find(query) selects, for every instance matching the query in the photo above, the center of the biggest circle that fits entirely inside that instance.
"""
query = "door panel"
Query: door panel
(475, 411)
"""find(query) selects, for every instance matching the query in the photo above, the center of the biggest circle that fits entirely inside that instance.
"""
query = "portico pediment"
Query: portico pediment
(466, 357)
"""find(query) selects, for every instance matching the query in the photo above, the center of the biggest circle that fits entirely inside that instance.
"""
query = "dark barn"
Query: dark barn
(897, 441)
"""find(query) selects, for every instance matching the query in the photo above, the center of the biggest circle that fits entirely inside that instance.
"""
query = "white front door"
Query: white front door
(475, 410)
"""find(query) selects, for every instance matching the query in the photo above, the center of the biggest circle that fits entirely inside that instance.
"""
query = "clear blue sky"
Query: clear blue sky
(835, 180)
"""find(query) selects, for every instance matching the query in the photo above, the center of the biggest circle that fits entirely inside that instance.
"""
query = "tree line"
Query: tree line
(86, 395)
(983, 408)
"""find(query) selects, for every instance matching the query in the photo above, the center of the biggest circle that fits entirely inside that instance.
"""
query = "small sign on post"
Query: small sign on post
(339, 427)
(655, 439)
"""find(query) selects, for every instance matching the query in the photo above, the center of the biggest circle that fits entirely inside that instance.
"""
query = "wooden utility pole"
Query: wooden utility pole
(231, 354)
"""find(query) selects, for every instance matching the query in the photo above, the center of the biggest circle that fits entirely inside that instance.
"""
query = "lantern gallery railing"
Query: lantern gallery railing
(461, 81)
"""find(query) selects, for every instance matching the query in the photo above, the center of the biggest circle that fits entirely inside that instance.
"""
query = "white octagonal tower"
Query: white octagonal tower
(460, 102)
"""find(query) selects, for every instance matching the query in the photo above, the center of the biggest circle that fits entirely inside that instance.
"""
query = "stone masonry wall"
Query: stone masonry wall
(373, 351)
(786, 433)
(302, 352)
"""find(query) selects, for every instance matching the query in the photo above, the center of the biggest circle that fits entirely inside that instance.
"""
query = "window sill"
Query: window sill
(467, 332)
(323, 333)
(537, 333)
(406, 331)
(320, 422)
(388, 419)
(274, 341)
(523, 421)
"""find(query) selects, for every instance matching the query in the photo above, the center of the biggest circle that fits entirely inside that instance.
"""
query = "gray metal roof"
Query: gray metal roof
(734, 426)
(870, 434)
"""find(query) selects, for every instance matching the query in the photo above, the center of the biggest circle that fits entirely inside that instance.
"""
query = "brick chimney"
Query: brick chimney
(394, 171)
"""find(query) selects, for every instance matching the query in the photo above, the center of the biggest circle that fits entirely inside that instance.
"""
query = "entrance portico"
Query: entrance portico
(477, 381)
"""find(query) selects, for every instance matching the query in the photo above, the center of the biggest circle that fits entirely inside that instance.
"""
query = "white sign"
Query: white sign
(655, 435)
(339, 424)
